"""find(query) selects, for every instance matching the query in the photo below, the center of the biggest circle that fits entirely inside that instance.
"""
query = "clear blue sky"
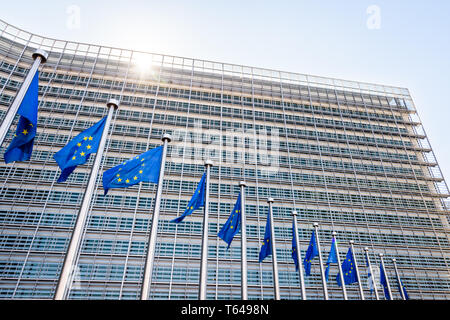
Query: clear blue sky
(325, 38)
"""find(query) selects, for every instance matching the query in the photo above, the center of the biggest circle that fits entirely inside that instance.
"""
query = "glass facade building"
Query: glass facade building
(352, 156)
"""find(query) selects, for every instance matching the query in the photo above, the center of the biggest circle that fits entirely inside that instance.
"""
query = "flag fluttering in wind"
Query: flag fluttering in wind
(21, 145)
(233, 224)
(311, 252)
(197, 200)
(384, 283)
(266, 247)
(78, 150)
(142, 168)
(294, 247)
(332, 257)
(348, 269)
(404, 290)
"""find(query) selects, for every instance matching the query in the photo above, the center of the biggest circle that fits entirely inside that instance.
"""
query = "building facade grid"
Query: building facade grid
(352, 156)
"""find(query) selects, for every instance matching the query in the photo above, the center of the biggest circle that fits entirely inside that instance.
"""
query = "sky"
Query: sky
(397, 42)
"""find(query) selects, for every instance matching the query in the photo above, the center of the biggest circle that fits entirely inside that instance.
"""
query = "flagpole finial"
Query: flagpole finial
(113, 102)
(381, 255)
(269, 200)
(316, 225)
(208, 162)
(294, 213)
(366, 249)
(334, 233)
(167, 137)
(40, 53)
(242, 183)
(394, 260)
(351, 242)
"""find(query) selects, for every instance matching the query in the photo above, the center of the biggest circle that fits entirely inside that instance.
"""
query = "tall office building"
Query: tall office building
(351, 156)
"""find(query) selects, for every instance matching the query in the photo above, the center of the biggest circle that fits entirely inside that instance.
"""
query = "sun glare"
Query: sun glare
(143, 63)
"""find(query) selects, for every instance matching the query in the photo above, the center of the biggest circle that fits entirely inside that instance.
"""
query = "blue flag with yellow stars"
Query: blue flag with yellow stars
(294, 247)
(332, 257)
(266, 247)
(78, 150)
(233, 224)
(404, 289)
(21, 145)
(384, 283)
(311, 253)
(142, 168)
(197, 200)
(348, 269)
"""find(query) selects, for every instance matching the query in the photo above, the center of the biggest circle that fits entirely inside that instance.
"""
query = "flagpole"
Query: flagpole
(40, 57)
(361, 291)
(322, 272)
(148, 269)
(276, 283)
(204, 257)
(366, 249)
(244, 294)
(341, 275)
(66, 274)
(386, 277)
(299, 258)
(398, 279)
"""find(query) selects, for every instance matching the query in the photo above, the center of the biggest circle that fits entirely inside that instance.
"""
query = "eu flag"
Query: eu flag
(78, 150)
(332, 257)
(233, 224)
(197, 200)
(142, 168)
(266, 247)
(404, 289)
(311, 252)
(294, 247)
(348, 269)
(384, 283)
(21, 145)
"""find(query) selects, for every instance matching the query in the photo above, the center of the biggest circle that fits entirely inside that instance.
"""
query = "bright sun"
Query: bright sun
(142, 63)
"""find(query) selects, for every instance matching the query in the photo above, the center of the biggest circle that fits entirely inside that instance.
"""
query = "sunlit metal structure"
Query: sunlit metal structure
(352, 156)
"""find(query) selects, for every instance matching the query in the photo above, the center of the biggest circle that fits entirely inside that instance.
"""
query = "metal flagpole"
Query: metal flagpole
(204, 257)
(385, 276)
(322, 271)
(244, 295)
(366, 249)
(398, 279)
(148, 269)
(341, 275)
(299, 258)
(361, 291)
(276, 283)
(66, 274)
(39, 56)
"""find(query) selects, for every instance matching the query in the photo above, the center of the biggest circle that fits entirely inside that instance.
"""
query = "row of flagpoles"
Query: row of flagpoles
(149, 167)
